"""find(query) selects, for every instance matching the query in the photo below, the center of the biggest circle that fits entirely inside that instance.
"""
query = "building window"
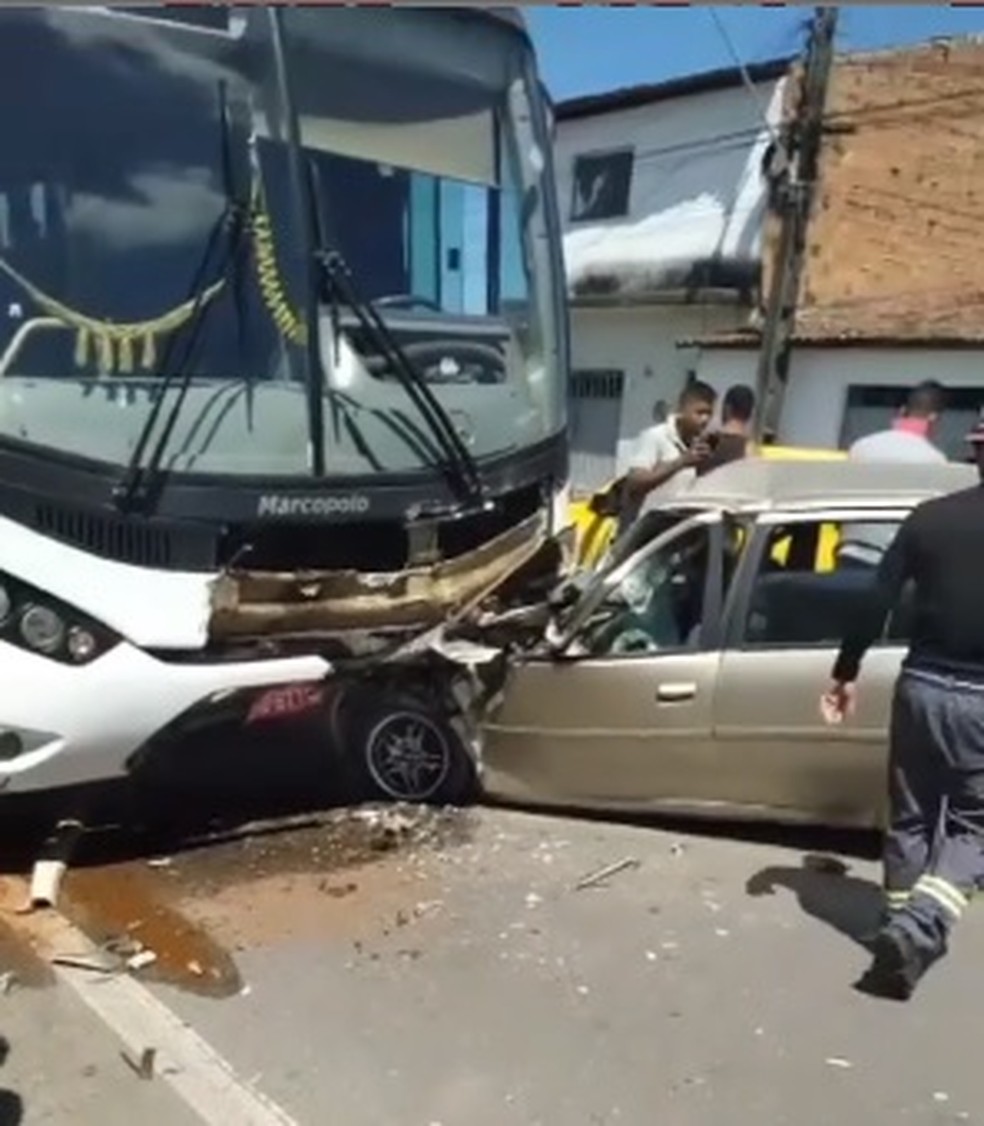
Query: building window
(601, 186)
(871, 408)
(597, 383)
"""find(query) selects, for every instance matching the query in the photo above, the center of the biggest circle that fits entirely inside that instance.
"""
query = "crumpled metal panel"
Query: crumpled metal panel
(255, 604)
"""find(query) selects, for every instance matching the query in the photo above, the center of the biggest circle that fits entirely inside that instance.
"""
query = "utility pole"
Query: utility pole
(792, 191)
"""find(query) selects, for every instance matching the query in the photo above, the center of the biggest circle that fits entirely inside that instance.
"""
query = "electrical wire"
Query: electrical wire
(749, 85)
(831, 118)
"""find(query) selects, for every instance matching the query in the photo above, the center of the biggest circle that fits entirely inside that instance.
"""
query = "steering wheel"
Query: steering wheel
(429, 355)
(633, 640)
(406, 301)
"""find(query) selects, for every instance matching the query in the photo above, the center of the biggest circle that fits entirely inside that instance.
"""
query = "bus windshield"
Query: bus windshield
(133, 142)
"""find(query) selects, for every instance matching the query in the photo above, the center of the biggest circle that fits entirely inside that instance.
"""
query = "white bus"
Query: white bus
(283, 347)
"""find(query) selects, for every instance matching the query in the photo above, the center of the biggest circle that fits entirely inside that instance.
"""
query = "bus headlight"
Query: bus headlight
(33, 620)
(81, 645)
(42, 629)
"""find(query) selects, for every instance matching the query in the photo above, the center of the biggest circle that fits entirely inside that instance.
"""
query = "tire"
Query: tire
(397, 749)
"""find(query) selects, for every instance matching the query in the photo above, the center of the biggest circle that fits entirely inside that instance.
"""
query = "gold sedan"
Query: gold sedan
(686, 675)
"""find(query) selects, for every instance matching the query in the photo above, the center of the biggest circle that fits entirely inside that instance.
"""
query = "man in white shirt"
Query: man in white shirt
(908, 440)
(666, 456)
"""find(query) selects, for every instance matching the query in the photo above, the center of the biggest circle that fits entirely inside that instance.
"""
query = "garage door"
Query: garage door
(870, 409)
(595, 410)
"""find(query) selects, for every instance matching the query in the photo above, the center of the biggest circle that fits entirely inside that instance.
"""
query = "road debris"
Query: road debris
(838, 1061)
(160, 862)
(390, 819)
(50, 867)
(399, 825)
(144, 1067)
(533, 900)
(123, 946)
(96, 960)
(427, 907)
(593, 879)
(940, 1097)
(677, 849)
(7, 982)
(141, 960)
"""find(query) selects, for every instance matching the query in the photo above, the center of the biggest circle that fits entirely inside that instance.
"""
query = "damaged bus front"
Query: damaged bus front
(282, 356)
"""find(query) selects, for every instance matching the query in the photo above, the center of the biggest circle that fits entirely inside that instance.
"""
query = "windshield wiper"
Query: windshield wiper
(137, 481)
(464, 474)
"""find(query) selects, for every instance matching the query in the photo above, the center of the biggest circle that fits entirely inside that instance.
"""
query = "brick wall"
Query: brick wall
(896, 244)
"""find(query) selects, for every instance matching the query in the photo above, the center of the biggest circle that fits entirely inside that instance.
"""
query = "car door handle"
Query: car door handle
(675, 693)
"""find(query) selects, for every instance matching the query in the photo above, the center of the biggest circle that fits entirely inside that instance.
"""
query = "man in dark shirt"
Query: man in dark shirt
(934, 847)
(732, 441)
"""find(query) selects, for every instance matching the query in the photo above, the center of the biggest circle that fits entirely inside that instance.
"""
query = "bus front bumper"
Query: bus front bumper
(65, 725)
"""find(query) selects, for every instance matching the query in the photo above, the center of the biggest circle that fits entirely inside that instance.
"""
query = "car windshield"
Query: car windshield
(424, 139)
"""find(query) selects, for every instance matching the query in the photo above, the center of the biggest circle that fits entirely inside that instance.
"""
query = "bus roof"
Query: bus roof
(513, 16)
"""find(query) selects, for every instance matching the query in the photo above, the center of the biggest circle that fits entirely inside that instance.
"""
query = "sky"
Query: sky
(587, 50)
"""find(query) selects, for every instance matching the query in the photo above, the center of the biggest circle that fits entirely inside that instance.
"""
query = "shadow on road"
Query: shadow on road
(11, 1104)
(212, 790)
(825, 890)
(11, 1108)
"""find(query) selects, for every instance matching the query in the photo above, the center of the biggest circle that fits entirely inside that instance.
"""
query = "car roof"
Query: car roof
(762, 483)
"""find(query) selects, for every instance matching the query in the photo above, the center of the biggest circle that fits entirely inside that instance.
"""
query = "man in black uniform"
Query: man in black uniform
(934, 848)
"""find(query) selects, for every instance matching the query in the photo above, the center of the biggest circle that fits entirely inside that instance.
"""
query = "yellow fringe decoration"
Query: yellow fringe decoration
(111, 345)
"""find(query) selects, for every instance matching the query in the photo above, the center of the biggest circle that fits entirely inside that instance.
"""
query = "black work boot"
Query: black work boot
(898, 965)
(887, 914)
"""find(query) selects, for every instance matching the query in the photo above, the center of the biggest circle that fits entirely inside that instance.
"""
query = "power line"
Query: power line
(745, 76)
(830, 118)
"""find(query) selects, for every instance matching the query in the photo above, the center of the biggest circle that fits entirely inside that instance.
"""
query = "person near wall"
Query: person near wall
(908, 439)
(934, 846)
(666, 456)
(733, 438)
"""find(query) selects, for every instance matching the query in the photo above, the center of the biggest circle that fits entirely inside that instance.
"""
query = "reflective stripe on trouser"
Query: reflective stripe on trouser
(935, 844)
(896, 899)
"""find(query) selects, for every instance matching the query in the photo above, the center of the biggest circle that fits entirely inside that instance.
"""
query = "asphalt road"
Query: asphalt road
(423, 969)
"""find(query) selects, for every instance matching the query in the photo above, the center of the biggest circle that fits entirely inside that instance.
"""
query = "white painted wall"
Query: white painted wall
(819, 378)
(697, 192)
(697, 188)
(642, 342)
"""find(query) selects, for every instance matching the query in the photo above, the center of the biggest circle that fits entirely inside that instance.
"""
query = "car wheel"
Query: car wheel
(397, 749)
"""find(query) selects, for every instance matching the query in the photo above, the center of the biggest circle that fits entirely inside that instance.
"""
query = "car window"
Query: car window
(651, 524)
(657, 605)
(813, 579)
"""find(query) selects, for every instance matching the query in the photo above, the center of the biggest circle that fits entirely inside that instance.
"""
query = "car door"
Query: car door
(622, 718)
(786, 622)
